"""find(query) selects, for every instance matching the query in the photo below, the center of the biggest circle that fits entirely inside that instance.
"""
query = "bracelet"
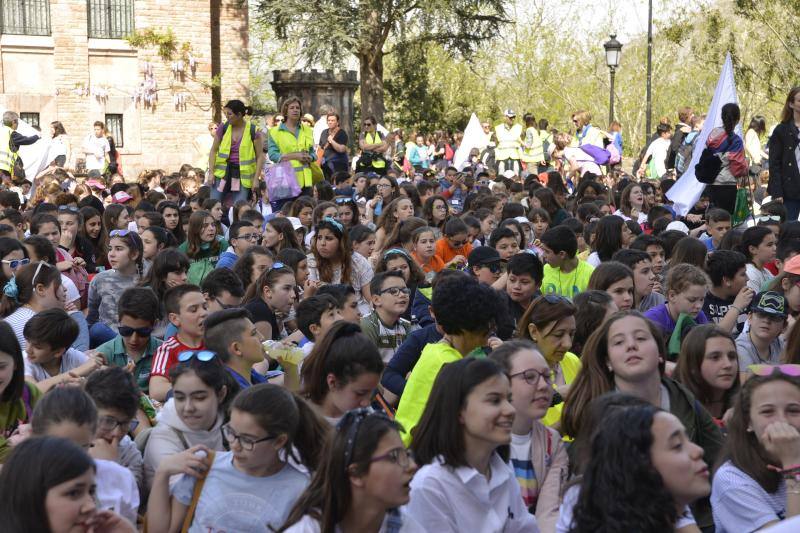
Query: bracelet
(737, 308)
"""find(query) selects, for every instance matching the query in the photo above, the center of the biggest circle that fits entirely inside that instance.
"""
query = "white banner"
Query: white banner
(34, 156)
(686, 191)
(473, 138)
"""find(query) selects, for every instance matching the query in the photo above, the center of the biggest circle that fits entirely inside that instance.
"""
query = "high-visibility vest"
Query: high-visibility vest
(287, 143)
(7, 156)
(508, 142)
(535, 153)
(375, 138)
(247, 155)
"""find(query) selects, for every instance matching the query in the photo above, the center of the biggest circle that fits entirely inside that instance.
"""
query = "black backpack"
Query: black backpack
(709, 166)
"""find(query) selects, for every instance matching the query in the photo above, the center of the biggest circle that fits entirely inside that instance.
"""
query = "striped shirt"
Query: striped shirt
(17, 321)
(167, 356)
(740, 504)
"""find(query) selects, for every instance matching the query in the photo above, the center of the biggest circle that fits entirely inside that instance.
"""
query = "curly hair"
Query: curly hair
(461, 304)
(608, 501)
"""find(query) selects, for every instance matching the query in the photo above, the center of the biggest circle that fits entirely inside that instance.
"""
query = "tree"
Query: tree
(369, 30)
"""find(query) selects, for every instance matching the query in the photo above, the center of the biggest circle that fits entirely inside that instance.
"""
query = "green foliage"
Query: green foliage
(165, 42)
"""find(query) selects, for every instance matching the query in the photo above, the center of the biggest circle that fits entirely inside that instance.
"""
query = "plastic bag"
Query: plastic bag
(281, 183)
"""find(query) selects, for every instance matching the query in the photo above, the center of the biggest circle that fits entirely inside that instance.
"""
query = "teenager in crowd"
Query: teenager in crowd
(617, 280)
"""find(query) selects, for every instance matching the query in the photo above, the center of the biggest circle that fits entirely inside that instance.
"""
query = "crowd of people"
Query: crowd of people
(536, 341)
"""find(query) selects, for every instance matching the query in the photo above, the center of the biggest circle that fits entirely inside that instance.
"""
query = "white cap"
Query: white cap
(678, 225)
(509, 113)
(509, 174)
(296, 224)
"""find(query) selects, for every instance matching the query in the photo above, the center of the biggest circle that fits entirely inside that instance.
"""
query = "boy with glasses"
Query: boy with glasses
(133, 348)
(222, 289)
(384, 326)
(241, 236)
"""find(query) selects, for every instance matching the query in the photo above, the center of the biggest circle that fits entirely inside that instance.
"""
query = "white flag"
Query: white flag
(686, 191)
(473, 138)
(34, 156)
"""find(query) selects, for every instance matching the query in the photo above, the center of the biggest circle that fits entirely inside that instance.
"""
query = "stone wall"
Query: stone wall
(47, 75)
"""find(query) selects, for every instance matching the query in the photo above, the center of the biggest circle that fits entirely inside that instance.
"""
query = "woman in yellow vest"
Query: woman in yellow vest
(373, 148)
(236, 157)
(293, 141)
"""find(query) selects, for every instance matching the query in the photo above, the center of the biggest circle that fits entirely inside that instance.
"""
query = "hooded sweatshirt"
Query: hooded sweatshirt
(168, 436)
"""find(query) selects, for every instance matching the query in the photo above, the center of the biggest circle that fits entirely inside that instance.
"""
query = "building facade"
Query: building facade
(69, 60)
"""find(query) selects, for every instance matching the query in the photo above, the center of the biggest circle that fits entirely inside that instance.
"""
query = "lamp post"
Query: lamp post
(613, 51)
(649, 121)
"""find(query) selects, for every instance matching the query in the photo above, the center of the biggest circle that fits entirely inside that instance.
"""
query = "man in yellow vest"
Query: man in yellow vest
(10, 141)
(509, 143)
(236, 157)
(293, 141)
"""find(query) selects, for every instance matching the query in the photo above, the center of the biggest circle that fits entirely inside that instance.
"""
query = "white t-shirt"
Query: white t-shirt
(307, 524)
(739, 503)
(234, 501)
(116, 489)
(95, 150)
(69, 361)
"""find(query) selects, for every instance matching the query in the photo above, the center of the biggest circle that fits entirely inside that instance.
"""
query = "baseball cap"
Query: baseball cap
(97, 184)
(120, 197)
(483, 255)
(678, 225)
(509, 113)
(792, 266)
(296, 224)
(769, 303)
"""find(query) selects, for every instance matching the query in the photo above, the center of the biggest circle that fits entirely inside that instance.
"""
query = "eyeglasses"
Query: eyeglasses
(396, 291)
(246, 443)
(14, 264)
(440, 207)
(532, 376)
(201, 355)
(402, 457)
(109, 423)
(248, 236)
(119, 233)
(224, 305)
(126, 331)
(69, 208)
(384, 185)
(367, 124)
(768, 370)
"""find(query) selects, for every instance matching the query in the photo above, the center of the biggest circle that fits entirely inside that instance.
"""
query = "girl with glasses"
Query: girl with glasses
(12, 257)
(342, 494)
(125, 252)
(195, 413)
(436, 212)
(203, 245)
(462, 441)
(756, 485)
(275, 438)
(538, 455)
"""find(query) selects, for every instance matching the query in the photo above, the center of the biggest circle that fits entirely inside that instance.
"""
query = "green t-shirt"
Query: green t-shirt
(115, 354)
(568, 285)
(12, 414)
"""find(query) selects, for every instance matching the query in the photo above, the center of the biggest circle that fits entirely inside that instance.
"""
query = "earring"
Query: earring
(610, 369)
(535, 339)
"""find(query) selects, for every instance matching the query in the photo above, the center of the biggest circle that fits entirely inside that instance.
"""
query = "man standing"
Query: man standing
(10, 141)
(97, 150)
(509, 143)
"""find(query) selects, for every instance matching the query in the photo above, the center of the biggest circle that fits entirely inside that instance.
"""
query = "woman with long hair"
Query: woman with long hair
(279, 234)
(436, 212)
(203, 245)
(632, 204)
(611, 234)
(726, 141)
(252, 264)
(169, 269)
(172, 219)
(396, 212)
(784, 176)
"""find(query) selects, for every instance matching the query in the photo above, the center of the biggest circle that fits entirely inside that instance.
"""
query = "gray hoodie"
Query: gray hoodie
(165, 439)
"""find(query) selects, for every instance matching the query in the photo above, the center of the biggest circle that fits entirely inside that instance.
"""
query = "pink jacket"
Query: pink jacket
(551, 464)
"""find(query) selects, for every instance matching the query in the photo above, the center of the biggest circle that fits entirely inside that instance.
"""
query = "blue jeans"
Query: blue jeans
(100, 333)
(228, 196)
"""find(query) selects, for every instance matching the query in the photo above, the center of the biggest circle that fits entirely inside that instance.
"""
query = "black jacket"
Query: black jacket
(784, 177)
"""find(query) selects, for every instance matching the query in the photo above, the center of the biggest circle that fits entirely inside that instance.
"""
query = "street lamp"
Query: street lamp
(613, 52)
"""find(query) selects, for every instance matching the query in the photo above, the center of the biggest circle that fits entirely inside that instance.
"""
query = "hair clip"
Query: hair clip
(335, 223)
(396, 251)
(10, 289)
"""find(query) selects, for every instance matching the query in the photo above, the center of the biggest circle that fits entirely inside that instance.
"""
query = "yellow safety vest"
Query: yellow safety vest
(7, 157)
(535, 153)
(288, 143)
(247, 155)
(508, 142)
(374, 138)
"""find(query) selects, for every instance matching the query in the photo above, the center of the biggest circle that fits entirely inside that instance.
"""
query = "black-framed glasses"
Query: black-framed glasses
(396, 291)
(70, 208)
(14, 264)
(402, 457)
(126, 331)
(201, 355)
(532, 376)
(247, 443)
(109, 423)
(368, 124)
(223, 305)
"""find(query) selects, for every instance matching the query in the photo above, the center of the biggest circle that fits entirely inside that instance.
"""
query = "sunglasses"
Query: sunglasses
(69, 208)
(127, 331)
(768, 370)
(772, 218)
(201, 355)
(119, 233)
(13, 264)
(496, 267)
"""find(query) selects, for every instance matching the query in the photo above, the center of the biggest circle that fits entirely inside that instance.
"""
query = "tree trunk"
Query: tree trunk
(371, 66)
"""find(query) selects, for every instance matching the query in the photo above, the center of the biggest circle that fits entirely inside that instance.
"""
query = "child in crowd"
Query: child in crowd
(274, 436)
(524, 273)
(686, 291)
(135, 345)
(231, 334)
(363, 239)
(49, 359)
(242, 235)
(564, 273)
(346, 299)
(35, 288)
(195, 413)
(654, 247)
(253, 262)
(718, 223)
(154, 241)
(647, 288)
(505, 241)
(342, 372)
(273, 294)
(424, 252)
(203, 245)
(18, 397)
(762, 342)
(186, 309)
(611, 235)
(315, 317)
(442, 494)
(729, 297)
(222, 289)
(485, 264)
(758, 246)
(617, 280)
(453, 247)
(385, 325)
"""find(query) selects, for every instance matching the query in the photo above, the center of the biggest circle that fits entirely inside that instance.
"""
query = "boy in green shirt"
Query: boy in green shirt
(564, 273)
(135, 345)
(465, 310)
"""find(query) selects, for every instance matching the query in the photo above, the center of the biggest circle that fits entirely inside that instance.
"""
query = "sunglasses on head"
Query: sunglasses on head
(69, 208)
(768, 370)
(201, 355)
(119, 233)
(126, 331)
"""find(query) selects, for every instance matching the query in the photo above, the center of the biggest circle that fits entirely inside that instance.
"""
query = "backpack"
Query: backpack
(709, 166)
(601, 156)
(684, 154)
(448, 152)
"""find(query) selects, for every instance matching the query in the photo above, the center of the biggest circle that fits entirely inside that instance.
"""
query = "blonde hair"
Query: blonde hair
(682, 276)
(583, 117)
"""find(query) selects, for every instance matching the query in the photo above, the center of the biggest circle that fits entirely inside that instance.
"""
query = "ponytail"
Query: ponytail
(279, 411)
(730, 117)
